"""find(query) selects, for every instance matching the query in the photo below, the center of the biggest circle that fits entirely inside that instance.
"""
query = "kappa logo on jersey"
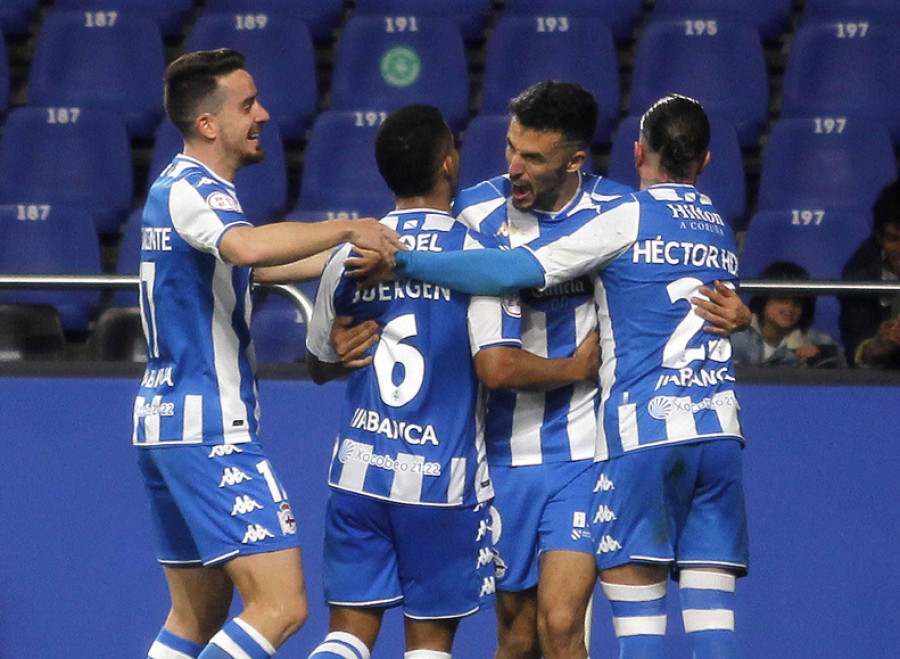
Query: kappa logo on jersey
(233, 476)
(221, 450)
(221, 201)
(488, 587)
(286, 519)
(245, 504)
(604, 514)
(256, 533)
(604, 484)
(608, 544)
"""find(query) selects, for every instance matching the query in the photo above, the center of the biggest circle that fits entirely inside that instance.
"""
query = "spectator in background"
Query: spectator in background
(780, 333)
(870, 325)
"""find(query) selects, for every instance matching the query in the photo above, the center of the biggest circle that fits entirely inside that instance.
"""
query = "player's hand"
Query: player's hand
(351, 341)
(368, 233)
(723, 308)
(587, 354)
(369, 268)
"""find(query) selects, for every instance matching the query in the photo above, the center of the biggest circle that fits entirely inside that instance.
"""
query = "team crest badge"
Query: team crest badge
(286, 519)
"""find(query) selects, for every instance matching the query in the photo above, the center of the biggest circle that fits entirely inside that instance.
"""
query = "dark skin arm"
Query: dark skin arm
(350, 342)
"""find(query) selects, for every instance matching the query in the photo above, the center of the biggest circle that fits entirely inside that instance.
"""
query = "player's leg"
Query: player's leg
(351, 634)
(517, 632)
(707, 609)
(429, 639)
(637, 596)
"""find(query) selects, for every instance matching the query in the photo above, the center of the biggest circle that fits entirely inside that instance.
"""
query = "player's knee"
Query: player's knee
(560, 626)
(519, 644)
(289, 614)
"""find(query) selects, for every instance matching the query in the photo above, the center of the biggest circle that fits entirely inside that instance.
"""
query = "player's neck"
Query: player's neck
(440, 201)
(214, 160)
(566, 192)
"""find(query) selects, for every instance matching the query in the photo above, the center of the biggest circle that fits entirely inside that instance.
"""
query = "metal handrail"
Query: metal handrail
(118, 282)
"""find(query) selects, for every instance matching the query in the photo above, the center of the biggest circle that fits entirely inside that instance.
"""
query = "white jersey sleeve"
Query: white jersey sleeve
(318, 334)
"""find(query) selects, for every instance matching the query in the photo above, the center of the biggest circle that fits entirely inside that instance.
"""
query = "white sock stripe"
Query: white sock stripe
(225, 642)
(705, 580)
(640, 626)
(339, 649)
(702, 620)
(352, 641)
(427, 654)
(251, 631)
(160, 651)
(623, 593)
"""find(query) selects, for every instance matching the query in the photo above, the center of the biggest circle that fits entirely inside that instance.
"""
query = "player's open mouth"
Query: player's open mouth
(520, 191)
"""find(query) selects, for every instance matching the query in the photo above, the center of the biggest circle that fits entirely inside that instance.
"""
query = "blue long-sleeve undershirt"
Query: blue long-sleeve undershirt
(477, 272)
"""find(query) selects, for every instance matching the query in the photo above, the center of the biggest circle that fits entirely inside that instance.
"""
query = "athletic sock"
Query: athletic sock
(639, 618)
(238, 640)
(169, 646)
(341, 645)
(707, 608)
(427, 654)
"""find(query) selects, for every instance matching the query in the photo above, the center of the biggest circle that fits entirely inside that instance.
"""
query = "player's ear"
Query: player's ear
(576, 161)
(705, 162)
(639, 154)
(206, 125)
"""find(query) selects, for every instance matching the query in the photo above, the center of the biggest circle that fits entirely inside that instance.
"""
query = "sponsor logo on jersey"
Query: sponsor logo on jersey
(256, 533)
(221, 450)
(608, 544)
(604, 514)
(233, 476)
(604, 484)
(156, 377)
(244, 505)
(351, 450)
(400, 67)
(574, 288)
(578, 534)
(411, 433)
(222, 201)
(661, 407)
(286, 519)
(688, 377)
(155, 408)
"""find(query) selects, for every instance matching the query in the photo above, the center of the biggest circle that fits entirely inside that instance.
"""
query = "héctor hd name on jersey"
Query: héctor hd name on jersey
(684, 253)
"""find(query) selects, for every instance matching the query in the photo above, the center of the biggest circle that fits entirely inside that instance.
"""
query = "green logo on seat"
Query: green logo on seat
(400, 67)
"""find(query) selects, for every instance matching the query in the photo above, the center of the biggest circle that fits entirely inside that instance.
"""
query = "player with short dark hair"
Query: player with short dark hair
(221, 518)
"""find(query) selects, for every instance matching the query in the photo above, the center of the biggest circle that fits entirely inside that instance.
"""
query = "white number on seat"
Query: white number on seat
(552, 23)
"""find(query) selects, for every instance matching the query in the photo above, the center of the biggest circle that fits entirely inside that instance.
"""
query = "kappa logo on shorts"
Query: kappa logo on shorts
(245, 504)
(286, 519)
(604, 484)
(256, 533)
(608, 544)
(221, 450)
(233, 476)
(604, 514)
(485, 557)
(488, 587)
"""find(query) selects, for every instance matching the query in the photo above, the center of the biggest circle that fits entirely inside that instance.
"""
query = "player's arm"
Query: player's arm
(321, 372)
(511, 367)
(302, 270)
(286, 242)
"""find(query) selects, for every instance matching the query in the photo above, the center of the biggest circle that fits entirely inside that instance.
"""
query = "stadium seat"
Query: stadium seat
(470, 15)
(853, 9)
(16, 15)
(384, 62)
(106, 59)
(769, 16)
(821, 241)
(30, 332)
(46, 239)
(621, 15)
(483, 151)
(321, 16)
(280, 56)
(723, 180)
(349, 184)
(278, 328)
(118, 336)
(840, 68)
(261, 187)
(721, 63)
(68, 156)
(814, 163)
(564, 49)
(4, 80)
(169, 15)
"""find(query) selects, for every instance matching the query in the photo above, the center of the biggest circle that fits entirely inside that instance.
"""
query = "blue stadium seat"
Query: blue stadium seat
(621, 15)
(815, 163)
(16, 15)
(349, 184)
(483, 151)
(68, 156)
(280, 56)
(321, 16)
(31, 332)
(262, 188)
(880, 10)
(470, 15)
(721, 63)
(50, 238)
(565, 46)
(821, 241)
(102, 59)
(384, 62)
(277, 327)
(769, 16)
(723, 180)
(169, 15)
(4, 80)
(841, 68)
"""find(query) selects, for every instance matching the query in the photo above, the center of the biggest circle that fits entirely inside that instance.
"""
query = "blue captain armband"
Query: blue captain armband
(477, 272)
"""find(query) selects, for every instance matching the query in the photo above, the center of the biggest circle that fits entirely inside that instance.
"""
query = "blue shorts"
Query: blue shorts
(210, 503)
(541, 508)
(436, 562)
(680, 506)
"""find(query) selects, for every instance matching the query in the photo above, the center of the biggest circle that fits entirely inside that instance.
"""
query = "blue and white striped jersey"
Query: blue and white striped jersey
(527, 428)
(200, 383)
(411, 426)
(664, 380)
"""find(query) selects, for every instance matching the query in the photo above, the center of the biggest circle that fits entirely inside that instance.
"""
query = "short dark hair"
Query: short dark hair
(886, 209)
(409, 147)
(566, 107)
(677, 128)
(192, 79)
(785, 271)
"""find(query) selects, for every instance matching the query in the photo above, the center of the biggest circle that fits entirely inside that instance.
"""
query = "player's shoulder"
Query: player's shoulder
(603, 190)
(186, 174)
(476, 204)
